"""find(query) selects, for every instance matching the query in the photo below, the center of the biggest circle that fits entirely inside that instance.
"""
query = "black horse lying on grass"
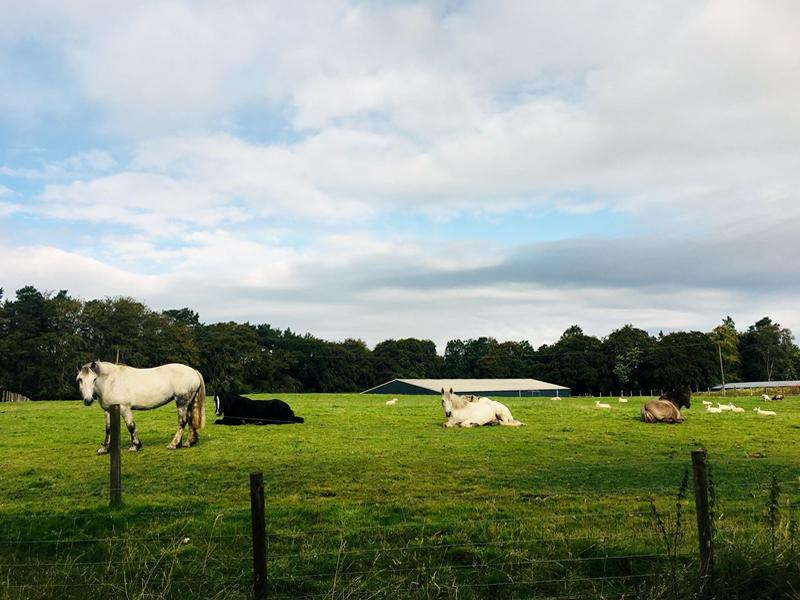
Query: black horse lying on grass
(239, 410)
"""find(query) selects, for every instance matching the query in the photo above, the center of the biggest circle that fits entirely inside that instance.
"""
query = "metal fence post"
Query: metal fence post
(116, 459)
(704, 525)
(259, 535)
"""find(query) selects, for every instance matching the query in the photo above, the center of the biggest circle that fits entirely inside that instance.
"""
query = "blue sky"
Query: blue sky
(430, 169)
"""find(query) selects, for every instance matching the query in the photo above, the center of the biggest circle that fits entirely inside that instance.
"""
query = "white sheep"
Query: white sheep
(623, 400)
(599, 404)
(736, 409)
(765, 397)
(765, 413)
(707, 403)
(723, 407)
(713, 409)
(391, 402)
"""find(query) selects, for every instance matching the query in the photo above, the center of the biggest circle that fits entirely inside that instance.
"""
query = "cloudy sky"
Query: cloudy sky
(398, 169)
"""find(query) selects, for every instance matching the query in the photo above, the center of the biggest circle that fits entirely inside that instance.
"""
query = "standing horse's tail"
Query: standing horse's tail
(199, 406)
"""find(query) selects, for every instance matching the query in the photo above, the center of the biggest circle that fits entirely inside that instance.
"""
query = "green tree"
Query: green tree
(685, 359)
(66, 349)
(26, 342)
(407, 358)
(506, 360)
(229, 356)
(183, 316)
(454, 362)
(727, 340)
(627, 347)
(768, 352)
(349, 367)
(577, 361)
(463, 359)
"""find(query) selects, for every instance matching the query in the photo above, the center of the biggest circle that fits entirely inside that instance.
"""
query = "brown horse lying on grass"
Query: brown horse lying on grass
(667, 409)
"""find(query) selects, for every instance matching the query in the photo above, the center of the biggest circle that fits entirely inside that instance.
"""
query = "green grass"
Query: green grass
(368, 500)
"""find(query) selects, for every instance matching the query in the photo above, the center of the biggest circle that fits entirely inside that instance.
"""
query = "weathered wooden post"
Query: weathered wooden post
(116, 459)
(705, 533)
(259, 535)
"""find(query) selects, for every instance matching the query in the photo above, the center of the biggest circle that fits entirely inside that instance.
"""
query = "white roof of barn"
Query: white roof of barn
(479, 385)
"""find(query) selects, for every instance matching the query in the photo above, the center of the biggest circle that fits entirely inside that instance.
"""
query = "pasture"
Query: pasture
(366, 500)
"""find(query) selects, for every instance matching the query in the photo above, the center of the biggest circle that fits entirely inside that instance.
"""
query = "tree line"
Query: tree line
(45, 336)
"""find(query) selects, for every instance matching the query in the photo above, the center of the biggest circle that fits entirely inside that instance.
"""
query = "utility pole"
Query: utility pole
(721, 370)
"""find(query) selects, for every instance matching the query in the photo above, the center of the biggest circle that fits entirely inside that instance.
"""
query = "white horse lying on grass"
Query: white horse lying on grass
(469, 411)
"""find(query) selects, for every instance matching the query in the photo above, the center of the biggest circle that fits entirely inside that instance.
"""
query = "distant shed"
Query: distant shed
(484, 387)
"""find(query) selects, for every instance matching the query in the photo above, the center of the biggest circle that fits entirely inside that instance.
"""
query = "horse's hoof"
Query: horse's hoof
(134, 448)
(101, 450)
(171, 447)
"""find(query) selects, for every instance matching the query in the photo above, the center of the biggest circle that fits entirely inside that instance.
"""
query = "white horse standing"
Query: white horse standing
(143, 389)
(469, 411)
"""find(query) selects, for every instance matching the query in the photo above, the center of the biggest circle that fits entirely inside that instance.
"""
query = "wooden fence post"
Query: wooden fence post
(704, 525)
(259, 535)
(116, 459)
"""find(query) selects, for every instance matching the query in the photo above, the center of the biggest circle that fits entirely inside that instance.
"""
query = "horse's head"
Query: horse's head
(87, 375)
(681, 397)
(447, 404)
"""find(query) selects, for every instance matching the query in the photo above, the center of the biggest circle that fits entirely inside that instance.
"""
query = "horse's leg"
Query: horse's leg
(193, 436)
(504, 417)
(127, 414)
(107, 442)
(183, 418)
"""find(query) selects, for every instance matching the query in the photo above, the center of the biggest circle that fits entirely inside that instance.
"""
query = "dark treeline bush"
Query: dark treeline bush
(45, 336)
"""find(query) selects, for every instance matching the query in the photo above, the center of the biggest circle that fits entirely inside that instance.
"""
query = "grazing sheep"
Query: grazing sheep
(599, 404)
(778, 397)
(765, 397)
(765, 413)
(391, 402)
(713, 409)
(707, 403)
(623, 400)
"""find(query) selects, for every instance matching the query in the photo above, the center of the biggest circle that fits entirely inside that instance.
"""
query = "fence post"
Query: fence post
(259, 535)
(704, 525)
(116, 459)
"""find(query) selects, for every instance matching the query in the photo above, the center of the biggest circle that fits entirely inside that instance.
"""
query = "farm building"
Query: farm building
(484, 387)
(757, 385)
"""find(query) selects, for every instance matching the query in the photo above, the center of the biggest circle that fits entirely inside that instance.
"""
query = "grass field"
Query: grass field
(366, 500)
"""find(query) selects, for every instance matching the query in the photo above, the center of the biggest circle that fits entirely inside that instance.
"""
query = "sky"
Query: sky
(382, 170)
